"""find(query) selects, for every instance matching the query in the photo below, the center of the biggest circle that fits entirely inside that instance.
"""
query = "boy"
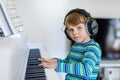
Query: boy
(83, 60)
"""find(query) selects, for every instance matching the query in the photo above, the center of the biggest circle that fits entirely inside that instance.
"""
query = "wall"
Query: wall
(43, 19)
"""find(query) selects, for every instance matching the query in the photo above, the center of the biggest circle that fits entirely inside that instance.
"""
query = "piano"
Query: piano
(15, 57)
(33, 71)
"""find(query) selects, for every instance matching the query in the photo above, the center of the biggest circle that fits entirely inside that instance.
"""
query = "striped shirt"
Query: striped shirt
(82, 62)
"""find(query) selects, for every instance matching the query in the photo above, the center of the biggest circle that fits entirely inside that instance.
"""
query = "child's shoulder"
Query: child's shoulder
(93, 45)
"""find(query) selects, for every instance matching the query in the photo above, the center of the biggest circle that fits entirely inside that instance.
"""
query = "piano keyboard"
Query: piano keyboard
(33, 71)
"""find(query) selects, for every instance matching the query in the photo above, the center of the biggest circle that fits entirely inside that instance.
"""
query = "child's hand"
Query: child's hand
(48, 63)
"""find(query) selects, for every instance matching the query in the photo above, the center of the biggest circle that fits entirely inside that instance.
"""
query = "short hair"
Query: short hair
(75, 18)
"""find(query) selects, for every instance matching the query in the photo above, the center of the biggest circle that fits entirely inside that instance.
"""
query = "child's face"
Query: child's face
(78, 33)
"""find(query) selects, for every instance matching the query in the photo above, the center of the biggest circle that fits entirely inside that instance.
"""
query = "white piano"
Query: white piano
(14, 52)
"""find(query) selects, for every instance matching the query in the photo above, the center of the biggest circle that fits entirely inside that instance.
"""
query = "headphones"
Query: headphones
(91, 24)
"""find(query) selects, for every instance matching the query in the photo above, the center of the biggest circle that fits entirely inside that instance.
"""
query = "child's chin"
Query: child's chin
(77, 41)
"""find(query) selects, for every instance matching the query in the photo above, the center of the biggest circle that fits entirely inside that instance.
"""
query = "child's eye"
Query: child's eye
(70, 30)
(79, 28)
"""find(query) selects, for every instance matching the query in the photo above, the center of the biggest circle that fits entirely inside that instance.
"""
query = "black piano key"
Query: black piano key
(34, 52)
(33, 71)
(33, 63)
(35, 75)
(40, 78)
(31, 60)
(34, 67)
(37, 56)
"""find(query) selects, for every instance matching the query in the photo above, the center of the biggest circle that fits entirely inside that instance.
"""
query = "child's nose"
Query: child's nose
(75, 31)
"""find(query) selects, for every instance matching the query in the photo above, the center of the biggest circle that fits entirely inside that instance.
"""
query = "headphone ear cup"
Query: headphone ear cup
(92, 27)
(67, 34)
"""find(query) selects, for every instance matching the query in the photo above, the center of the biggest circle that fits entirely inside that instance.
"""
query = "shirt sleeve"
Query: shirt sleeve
(84, 68)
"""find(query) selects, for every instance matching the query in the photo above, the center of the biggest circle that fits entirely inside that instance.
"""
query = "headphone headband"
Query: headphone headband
(82, 11)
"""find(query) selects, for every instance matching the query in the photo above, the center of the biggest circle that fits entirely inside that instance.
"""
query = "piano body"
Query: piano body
(14, 54)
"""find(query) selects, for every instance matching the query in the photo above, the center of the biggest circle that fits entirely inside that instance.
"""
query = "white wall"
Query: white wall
(43, 19)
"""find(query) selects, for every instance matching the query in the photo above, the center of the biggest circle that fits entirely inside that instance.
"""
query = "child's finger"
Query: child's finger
(45, 59)
(39, 59)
